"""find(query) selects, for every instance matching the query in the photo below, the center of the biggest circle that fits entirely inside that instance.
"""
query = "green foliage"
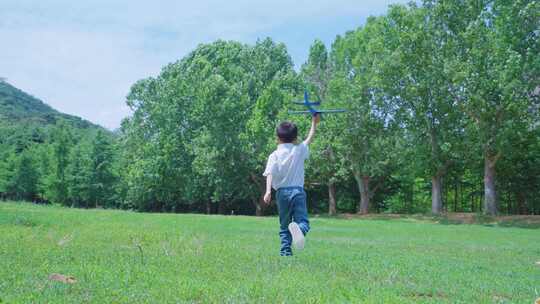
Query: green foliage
(443, 114)
(56, 180)
(35, 148)
(365, 138)
(101, 177)
(22, 177)
(500, 46)
(79, 175)
(196, 122)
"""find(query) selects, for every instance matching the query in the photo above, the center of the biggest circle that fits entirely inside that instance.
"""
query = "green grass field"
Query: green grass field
(126, 257)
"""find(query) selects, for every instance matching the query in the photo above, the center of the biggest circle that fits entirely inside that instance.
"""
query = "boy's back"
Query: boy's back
(286, 165)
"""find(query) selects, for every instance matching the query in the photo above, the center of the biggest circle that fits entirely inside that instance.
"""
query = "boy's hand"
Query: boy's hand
(267, 197)
(316, 118)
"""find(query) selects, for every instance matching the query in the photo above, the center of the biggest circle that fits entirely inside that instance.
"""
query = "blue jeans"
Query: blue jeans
(291, 202)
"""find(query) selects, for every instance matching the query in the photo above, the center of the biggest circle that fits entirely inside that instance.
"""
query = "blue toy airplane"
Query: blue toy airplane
(311, 110)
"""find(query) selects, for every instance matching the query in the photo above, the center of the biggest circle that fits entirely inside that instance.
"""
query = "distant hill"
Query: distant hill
(20, 108)
(26, 120)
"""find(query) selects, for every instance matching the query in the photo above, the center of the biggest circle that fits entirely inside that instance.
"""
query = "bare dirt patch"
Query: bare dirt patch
(62, 278)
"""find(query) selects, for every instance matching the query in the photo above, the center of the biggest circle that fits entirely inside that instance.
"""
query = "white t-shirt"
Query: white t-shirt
(286, 165)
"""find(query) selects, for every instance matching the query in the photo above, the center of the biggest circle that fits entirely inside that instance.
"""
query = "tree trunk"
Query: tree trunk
(208, 207)
(455, 196)
(436, 198)
(363, 187)
(331, 185)
(472, 200)
(365, 196)
(490, 196)
(411, 201)
(461, 190)
(331, 198)
(258, 202)
(221, 207)
(258, 206)
(521, 206)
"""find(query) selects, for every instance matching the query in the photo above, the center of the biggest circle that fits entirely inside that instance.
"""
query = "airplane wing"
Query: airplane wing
(331, 111)
(317, 111)
(299, 112)
(309, 103)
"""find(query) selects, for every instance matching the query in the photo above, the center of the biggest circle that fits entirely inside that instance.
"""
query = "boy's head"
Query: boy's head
(286, 132)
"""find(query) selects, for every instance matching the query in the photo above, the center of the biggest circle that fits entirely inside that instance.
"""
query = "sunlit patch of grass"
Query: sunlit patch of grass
(126, 257)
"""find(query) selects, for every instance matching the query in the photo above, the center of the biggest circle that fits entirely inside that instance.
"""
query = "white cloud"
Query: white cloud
(81, 57)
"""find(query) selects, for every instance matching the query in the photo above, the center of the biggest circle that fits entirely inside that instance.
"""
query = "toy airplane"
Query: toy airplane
(311, 110)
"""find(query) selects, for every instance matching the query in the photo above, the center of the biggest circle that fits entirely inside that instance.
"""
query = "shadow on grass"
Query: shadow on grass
(515, 221)
(21, 221)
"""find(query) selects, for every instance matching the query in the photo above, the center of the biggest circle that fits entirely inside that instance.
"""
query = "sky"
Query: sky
(81, 57)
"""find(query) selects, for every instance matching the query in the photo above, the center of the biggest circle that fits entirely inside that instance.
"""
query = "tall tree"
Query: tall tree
(500, 70)
(79, 176)
(56, 182)
(102, 176)
(5, 174)
(422, 89)
(317, 73)
(367, 132)
(23, 178)
(193, 117)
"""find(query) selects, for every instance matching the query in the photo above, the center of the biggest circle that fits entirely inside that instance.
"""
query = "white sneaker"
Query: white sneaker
(297, 236)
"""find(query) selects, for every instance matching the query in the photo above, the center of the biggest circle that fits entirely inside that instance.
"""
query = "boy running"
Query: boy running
(285, 173)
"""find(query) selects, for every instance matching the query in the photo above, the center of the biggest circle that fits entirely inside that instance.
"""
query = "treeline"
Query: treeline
(443, 115)
(59, 164)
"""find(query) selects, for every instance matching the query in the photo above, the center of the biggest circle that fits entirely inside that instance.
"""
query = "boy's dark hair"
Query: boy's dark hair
(287, 132)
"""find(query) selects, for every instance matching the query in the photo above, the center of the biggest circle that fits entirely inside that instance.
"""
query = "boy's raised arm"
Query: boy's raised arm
(314, 121)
